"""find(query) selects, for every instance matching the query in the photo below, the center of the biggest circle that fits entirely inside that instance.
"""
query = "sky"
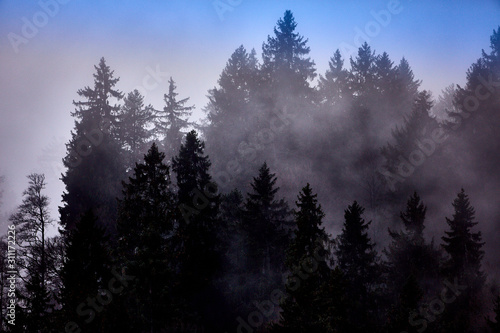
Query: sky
(48, 49)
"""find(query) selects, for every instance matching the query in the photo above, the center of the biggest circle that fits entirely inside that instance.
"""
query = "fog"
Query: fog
(332, 128)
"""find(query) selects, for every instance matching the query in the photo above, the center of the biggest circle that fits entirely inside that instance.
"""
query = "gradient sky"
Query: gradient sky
(191, 41)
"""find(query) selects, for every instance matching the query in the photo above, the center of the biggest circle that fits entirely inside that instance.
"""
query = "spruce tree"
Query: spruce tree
(197, 240)
(357, 258)
(363, 73)
(385, 75)
(463, 247)
(334, 86)
(286, 67)
(172, 120)
(145, 227)
(406, 86)
(134, 130)
(304, 305)
(463, 265)
(94, 158)
(231, 106)
(406, 138)
(409, 254)
(475, 121)
(265, 224)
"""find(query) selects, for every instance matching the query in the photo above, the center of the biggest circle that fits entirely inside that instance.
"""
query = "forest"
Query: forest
(333, 202)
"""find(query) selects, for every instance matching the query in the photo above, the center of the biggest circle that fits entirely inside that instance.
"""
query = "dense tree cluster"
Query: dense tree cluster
(156, 236)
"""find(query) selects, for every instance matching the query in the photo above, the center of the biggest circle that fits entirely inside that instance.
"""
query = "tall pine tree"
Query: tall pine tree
(357, 258)
(198, 244)
(304, 307)
(463, 264)
(266, 231)
(145, 227)
(172, 120)
(134, 130)
(94, 159)
(286, 67)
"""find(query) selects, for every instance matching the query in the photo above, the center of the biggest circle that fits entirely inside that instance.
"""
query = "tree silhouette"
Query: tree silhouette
(172, 120)
(145, 226)
(94, 159)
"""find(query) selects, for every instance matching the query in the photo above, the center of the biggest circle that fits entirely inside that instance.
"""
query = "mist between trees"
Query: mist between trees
(200, 213)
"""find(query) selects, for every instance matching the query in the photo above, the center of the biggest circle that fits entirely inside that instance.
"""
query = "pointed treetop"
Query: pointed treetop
(264, 183)
(284, 55)
(495, 47)
(414, 216)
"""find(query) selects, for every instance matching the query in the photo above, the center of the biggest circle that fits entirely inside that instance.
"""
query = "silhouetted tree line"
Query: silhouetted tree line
(156, 237)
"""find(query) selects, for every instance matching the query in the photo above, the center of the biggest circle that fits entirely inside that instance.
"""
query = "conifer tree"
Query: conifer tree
(231, 112)
(172, 120)
(475, 121)
(334, 86)
(385, 75)
(363, 73)
(134, 133)
(145, 227)
(265, 224)
(407, 137)
(408, 254)
(406, 86)
(463, 265)
(94, 158)
(304, 307)
(463, 247)
(286, 67)
(357, 258)
(197, 241)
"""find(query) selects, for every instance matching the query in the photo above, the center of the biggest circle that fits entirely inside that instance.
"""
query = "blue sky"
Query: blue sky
(191, 41)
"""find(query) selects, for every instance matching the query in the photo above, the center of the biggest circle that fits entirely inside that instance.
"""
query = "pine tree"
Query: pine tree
(198, 244)
(407, 137)
(32, 219)
(304, 306)
(461, 244)
(172, 120)
(86, 271)
(475, 121)
(357, 258)
(385, 75)
(309, 235)
(94, 158)
(363, 73)
(134, 121)
(286, 67)
(406, 86)
(408, 254)
(463, 264)
(334, 86)
(145, 227)
(264, 222)
(232, 106)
